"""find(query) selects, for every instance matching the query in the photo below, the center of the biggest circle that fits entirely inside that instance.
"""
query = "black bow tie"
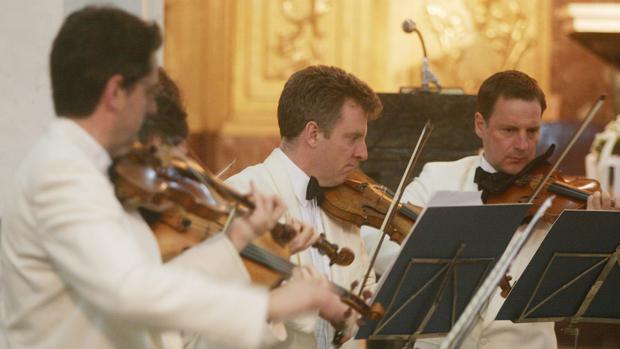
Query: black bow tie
(314, 191)
(498, 182)
(491, 183)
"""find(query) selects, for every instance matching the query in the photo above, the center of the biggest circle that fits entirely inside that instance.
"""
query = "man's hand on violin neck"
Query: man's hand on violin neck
(601, 201)
(306, 236)
(298, 296)
(329, 304)
(337, 313)
(268, 209)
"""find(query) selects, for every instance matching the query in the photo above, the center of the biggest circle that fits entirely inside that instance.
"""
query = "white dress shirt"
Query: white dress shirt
(310, 214)
(81, 272)
(272, 177)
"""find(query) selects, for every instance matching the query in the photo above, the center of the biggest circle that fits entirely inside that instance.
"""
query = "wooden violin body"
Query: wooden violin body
(188, 213)
(168, 184)
(571, 192)
(265, 259)
(361, 201)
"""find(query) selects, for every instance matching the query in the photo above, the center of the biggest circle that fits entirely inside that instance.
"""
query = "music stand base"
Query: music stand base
(572, 331)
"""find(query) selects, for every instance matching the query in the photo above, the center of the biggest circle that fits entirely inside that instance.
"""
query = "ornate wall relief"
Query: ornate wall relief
(472, 39)
(275, 38)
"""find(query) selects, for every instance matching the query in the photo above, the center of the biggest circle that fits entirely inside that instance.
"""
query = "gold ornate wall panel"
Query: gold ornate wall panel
(232, 57)
(468, 40)
(198, 56)
(274, 38)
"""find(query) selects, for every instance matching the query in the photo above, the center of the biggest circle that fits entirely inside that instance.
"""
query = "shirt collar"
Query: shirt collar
(299, 179)
(485, 165)
(85, 142)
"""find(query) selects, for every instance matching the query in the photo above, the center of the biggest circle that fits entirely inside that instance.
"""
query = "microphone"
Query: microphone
(409, 26)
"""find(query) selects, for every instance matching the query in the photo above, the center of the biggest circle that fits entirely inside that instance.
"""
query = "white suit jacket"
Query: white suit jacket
(81, 272)
(487, 333)
(271, 177)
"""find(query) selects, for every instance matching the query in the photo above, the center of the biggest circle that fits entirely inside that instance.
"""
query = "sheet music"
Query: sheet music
(445, 198)
(442, 198)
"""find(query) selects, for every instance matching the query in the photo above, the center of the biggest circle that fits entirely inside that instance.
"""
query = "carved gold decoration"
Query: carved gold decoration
(232, 57)
(479, 37)
(274, 38)
(305, 44)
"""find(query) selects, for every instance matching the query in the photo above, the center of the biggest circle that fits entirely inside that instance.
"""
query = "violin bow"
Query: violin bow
(595, 108)
(226, 168)
(389, 216)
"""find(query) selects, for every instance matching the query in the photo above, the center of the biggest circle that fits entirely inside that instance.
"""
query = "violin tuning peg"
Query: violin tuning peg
(366, 295)
(354, 284)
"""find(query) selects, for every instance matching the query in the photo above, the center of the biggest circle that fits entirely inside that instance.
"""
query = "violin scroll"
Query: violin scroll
(339, 256)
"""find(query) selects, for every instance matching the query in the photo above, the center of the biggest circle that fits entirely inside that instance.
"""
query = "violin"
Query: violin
(528, 187)
(571, 192)
(268, 264)
(148, 180)
(190, 212)
(362, 201)
(282, 232)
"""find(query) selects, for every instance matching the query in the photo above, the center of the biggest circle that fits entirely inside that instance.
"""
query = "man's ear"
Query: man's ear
(114, 94)
(311, 133)
(479, 124)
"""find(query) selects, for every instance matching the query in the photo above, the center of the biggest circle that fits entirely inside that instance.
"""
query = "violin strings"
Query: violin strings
(575, 193)
(267, 258)
(408, 213)
(285, 267)
(402, 209)
(263, 256)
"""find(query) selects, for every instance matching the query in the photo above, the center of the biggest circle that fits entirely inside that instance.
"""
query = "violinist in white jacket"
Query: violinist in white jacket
(507, 120)
(322, 115)
(81, 272)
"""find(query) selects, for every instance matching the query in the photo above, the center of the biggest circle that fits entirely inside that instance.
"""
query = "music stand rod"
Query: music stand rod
(463, 325)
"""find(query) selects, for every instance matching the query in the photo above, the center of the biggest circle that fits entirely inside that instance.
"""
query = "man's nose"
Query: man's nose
(521, 142)
(361, 152)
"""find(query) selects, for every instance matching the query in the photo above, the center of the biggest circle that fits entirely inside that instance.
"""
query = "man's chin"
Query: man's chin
(513, 169)
(121, 150)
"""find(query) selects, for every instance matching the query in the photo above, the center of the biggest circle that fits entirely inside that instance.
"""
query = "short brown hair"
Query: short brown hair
(508, 84)
(317, 93)
(169, 122)
(94, 44)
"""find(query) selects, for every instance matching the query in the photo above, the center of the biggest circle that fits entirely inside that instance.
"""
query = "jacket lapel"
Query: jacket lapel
(282, 183)
(468, 180)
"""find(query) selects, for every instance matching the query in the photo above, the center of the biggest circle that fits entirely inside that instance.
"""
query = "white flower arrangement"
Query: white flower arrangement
(602, 140)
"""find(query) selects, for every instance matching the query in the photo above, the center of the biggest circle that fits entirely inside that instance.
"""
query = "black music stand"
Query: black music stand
(574, 276)
(443, 261)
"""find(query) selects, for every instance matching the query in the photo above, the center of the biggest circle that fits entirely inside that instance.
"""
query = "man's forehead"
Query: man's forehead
(514, 103)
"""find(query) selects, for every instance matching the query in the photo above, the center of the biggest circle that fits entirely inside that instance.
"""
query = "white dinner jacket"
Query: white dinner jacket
(78, 271)
(459, 176)
(271, 177)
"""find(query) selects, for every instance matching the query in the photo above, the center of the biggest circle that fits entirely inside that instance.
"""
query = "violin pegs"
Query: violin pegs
(354, 285)
(505, 286)
(366, 295)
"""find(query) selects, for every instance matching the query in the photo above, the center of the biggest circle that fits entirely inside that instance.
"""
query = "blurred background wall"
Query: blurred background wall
(232, 58)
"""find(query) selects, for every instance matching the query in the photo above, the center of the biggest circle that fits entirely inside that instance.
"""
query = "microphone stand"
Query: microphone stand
(427, 76)
(461, 328)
